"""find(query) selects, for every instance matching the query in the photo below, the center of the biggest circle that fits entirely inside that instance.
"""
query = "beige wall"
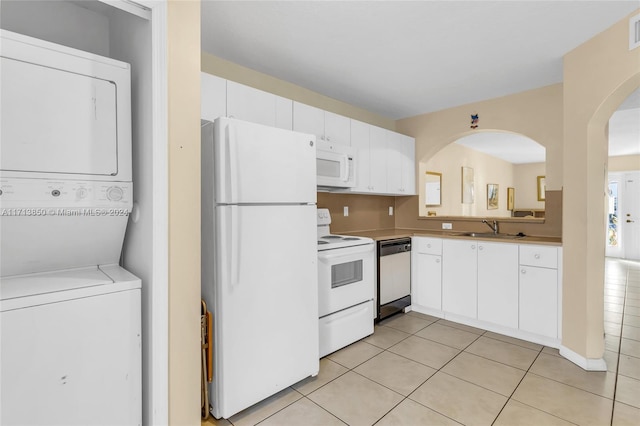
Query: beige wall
(536, 114)
(228, 70)
(624, 163)
(486, 169)
(526, 184)
(598, 76)
(183, 58)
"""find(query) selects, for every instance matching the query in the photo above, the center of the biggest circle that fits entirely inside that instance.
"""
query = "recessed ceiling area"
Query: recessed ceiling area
(511, 147)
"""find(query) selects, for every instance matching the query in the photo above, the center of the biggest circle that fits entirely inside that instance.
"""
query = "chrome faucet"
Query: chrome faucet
(494, 228)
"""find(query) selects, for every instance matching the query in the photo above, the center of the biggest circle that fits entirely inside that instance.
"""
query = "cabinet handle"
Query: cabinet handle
(438, 260)
(428, 245)
(480, 248)
(524, 271)
(537, 256)
(473, 247)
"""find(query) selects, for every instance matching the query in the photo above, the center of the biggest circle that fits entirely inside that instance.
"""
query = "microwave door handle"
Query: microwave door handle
(345, 169)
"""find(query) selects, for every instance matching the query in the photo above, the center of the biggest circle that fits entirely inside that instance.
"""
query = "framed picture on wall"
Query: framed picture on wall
(542, 187)
(511, 198)
(492, 196)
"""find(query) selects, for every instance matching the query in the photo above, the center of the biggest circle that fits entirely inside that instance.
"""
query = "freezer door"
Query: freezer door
(266, 303)
(55, 121)
(261, 164)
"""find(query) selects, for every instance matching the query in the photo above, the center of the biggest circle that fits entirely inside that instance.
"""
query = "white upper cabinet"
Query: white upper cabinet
(326, 125)
(370, 143)
(213, 99)
(378, 160)
(385, 160)
(249, 104)
(337, 128)
(401, 178)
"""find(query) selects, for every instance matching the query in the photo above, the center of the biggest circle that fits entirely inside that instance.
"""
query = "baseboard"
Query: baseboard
(589, 364)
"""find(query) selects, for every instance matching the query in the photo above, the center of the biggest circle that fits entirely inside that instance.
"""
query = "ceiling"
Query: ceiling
(404, 58)
(514, 148)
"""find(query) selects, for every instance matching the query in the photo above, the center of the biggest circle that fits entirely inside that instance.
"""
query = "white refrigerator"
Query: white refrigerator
(259, 260)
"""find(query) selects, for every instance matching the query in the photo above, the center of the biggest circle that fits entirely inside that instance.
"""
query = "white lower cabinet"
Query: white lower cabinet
(459, 277)
(498, 283)
(508, 288)
(539, 291)
(426, 280)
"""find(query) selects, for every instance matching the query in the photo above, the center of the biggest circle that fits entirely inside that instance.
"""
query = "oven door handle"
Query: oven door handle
(336, 253)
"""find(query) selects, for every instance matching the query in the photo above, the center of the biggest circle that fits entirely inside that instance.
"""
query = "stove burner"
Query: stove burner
(332, 236)
(323, 242)
(351, 238)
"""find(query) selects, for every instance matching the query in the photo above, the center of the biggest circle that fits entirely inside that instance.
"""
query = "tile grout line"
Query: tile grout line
(615, 385)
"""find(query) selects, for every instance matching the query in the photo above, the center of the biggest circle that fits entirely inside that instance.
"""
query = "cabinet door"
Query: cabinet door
(498, 283)
(337, 128)
(213, 97)
(249, 104)
(378, 159)
(308, 119)
(408, 167)
(394, 163)
(459, 277)
(360, 141)
(539, 300)
(426, 282)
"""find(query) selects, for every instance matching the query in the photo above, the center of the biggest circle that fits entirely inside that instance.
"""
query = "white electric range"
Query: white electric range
(346, 286)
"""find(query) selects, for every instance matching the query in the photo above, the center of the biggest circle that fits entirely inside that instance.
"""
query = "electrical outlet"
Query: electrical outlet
(447, 226)
(346, 211)
(390, 210)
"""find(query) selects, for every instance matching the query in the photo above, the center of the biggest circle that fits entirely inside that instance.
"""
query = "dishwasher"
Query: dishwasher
(394, 276)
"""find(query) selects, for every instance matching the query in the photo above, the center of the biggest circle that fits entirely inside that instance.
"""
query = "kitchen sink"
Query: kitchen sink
(490, 235)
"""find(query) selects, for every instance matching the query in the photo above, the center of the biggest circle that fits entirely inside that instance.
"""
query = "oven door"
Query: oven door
(345, 277)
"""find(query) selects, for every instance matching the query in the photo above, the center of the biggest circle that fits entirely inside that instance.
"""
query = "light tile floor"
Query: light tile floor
(421, 370)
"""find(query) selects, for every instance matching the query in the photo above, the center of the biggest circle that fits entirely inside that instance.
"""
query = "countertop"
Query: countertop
(390, 234)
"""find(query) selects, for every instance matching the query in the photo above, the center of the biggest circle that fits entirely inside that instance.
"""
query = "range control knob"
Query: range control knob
(115, 193)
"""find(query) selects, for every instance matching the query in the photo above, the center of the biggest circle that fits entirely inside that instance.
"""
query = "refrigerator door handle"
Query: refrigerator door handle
(235, 246)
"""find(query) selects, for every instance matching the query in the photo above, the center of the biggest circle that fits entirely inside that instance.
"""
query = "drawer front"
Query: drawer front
(542, 256)
(345, 327)
(424, 245)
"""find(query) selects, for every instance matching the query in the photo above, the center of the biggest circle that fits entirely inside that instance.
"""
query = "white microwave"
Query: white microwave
(335, 165)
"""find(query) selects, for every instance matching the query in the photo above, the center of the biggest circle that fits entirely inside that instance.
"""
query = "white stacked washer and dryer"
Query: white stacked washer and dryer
(70, 330)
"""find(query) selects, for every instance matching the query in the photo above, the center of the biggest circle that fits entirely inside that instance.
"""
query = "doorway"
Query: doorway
(623, 219)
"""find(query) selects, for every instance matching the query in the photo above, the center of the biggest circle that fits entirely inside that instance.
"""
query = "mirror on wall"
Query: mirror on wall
(489, 174)
(432, 184)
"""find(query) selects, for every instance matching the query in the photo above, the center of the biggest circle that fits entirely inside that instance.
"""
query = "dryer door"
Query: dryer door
(55, 121)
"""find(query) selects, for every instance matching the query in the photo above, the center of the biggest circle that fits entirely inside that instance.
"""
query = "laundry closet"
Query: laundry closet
(83, 240)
